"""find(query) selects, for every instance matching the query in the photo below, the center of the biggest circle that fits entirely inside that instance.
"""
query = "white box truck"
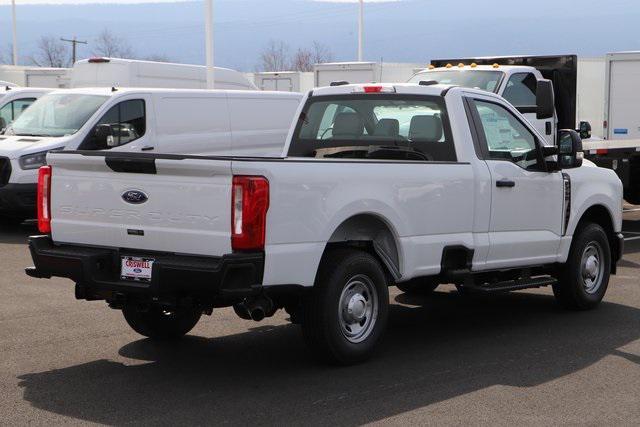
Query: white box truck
(363, 72)
(107, 72)
(286, 81)
(57, 78)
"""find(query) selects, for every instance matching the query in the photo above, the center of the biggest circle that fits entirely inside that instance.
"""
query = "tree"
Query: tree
(275, 57)
(304, 59)
(51, 52)
(109, 45)
(320, 53)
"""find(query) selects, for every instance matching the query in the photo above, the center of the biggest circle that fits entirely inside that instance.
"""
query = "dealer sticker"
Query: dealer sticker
(137, 269)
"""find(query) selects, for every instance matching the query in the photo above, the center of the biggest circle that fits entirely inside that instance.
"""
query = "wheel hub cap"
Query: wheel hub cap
(358, 308)
(591, 270)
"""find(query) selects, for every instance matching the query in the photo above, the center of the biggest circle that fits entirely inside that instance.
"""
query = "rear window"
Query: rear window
(389, 127)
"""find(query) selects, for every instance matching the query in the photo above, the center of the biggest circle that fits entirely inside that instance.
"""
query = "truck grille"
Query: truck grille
(5, 171)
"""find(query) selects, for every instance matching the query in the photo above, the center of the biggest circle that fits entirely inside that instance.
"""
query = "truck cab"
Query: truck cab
(517, 79)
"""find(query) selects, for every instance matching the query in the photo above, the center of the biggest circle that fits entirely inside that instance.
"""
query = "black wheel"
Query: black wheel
(585, 276)
(346, 312)
(159, 323)
(419, 286)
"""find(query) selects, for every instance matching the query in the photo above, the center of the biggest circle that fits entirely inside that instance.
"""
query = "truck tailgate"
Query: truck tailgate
(155, 203)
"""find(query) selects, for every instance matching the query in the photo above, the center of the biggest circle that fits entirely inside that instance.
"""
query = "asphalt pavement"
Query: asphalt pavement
(447, 359)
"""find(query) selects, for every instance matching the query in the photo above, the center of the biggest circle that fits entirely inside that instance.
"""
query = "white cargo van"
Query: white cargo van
(14, 100)
(96, 72)
(174, 121)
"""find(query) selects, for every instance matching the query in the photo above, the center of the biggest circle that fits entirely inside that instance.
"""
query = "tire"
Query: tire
(347, 279)
(420, 286)
(585, 276)
(159, 324)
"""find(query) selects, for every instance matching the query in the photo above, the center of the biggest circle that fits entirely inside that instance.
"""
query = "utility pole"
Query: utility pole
(208, 42)
(360, 30)
(74, 42)
(15, 33)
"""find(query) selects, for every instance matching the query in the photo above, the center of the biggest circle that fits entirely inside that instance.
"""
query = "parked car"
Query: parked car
(408, 185)
(162, 120)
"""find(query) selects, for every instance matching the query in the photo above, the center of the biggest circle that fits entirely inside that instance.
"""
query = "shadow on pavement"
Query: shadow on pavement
(14, 231)
(436, 349)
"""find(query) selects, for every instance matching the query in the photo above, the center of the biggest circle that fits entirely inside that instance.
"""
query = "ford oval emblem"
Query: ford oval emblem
(135, 197)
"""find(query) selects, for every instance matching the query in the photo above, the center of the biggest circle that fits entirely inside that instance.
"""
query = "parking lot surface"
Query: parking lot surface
(504, 359)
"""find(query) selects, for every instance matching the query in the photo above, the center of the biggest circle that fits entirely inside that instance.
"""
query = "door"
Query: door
(526, 200)
(624, 86)
(520, 91)
(123, 127)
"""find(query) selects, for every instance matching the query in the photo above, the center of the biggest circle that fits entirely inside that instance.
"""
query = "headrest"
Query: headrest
(425, 128)
(387, 127)
(348, 125)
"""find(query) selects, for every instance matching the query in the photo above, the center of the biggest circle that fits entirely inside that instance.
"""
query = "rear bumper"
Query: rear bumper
(18, 199)
(96, 272)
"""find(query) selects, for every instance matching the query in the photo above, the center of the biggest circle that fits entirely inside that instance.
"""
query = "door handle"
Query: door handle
(505, 183)
(147, 148)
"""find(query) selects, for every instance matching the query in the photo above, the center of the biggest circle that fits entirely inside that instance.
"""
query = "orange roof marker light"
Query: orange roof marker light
(461, 65)
(448, 66)
(496, 65)
(431, 66)
(473, 65)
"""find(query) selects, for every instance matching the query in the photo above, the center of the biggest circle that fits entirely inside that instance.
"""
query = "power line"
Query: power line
(74, 42)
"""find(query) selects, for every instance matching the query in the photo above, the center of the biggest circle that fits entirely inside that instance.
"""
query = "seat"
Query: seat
(347, 126)
(388, 128)
(425, 128)
(425, 134)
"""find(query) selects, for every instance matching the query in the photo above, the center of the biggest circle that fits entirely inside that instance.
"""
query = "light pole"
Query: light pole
(360, 30)
(15, 33)
(208, 34)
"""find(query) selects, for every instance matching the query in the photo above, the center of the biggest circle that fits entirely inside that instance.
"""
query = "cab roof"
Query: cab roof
(393, 88)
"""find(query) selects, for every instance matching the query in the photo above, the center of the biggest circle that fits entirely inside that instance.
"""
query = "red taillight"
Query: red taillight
(98, 60)
(372, 89)
(602, 151)
(44, 199)
(249, 204)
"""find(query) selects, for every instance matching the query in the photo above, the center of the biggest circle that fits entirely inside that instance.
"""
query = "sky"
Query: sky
(402, 31)
(19, 2)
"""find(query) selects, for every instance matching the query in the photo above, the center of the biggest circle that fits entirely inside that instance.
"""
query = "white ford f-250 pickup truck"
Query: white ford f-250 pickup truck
(411, 185)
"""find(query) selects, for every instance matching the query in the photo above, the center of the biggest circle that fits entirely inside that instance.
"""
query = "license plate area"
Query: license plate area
(136, 269)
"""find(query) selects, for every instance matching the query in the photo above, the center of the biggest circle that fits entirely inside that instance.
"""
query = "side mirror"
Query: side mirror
(569, 149)
(545, 105)
(3, 125)
(585, 130)
(104, 135)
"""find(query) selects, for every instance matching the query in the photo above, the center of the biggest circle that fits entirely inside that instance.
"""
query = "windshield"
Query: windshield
(56, 115)
(476, 79)
(398, 127)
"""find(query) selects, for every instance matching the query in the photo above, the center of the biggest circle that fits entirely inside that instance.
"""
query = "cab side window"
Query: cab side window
(12, 110)
(521, 90)
(123, 123)
(504, 137)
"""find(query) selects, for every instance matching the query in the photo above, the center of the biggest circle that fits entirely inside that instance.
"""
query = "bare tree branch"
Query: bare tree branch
(321, 53)
(302, 60)
(109, 45)
(51, 52)
(275, 57)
